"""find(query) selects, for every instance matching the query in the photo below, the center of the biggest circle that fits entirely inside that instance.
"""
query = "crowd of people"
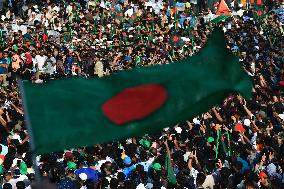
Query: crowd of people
(237, 144)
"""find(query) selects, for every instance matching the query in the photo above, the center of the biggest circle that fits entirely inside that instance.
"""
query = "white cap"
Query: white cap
(247, 122)
(83, 176)
(178, 129)
(281, 116)
(141, 186)
(196, 121)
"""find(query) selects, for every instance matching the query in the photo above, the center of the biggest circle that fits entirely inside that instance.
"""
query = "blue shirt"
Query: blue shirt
(91, 173)
(70, 60)
(2, 69)
(128, 171)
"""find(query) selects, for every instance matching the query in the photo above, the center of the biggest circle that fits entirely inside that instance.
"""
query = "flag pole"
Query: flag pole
(29, 128)
(217, 143)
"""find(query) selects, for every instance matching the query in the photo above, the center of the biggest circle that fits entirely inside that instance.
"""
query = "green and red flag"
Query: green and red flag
(219, 19)
(119, 15)
(176, 41)
(2, 38)
(133, 19)
(78, 112)
(45, 35)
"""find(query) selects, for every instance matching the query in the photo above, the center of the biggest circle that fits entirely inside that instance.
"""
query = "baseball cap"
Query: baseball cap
(145, 143)
(71, 165)
(210, 139)
(157, 166)
(23, 168)
(262, 175)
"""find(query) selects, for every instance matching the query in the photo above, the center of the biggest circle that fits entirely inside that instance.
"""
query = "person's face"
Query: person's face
(7, 177)
(264, 180)
(249, 187)
(279, 140)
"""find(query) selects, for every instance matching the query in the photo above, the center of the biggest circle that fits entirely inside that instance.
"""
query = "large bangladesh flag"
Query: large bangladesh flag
(78, 112)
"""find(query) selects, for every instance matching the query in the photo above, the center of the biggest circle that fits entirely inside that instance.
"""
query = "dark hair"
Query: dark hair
(121, 176)
(200, 178)
(143, 155)
(157, 184)
(20, 185)
(105, 183)
(7, 186)
(130, 184)
(90, 184)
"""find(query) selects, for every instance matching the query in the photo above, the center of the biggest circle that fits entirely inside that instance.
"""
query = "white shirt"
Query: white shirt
(38, 17)
(4, 150)
(193, 173)
(209, 182)
(129, 12)
(146, 164)
(98, 166)
(22, 178)
(40, 60)
(193, 2)
(69, 9)
(56, 8)
(15, 161)
(99, 69)
(12, 182)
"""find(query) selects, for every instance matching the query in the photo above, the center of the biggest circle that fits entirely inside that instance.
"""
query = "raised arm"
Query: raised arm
(217, 115)
(17, 109)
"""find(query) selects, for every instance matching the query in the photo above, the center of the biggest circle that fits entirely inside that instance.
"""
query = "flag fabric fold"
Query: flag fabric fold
(170, 171)
(78, 112)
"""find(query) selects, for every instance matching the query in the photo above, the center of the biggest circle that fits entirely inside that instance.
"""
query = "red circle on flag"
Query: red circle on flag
(175, 39)
(134, 103)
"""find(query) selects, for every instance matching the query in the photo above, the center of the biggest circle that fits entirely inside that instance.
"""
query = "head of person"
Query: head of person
(20, 185)
(263, 178)
(7, 186)
(7, 176)
(107, 168)
(200, 179)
